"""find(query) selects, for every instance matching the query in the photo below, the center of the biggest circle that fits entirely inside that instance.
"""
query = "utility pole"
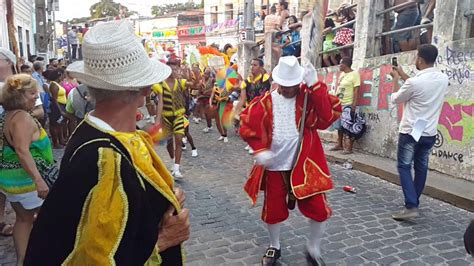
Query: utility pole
(249, 17)
(12, 30)
(41, 27)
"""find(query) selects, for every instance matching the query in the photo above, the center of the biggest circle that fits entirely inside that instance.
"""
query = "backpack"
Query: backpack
(354, 126)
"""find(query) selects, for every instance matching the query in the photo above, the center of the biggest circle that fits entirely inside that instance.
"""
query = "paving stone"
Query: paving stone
(195, 257)
(443, 246)
(421, 241)
(370, 237)
(407, 255)
(451, 255)
(370, 256)
(214, 252)
(459, 262)
(355, 251)
(352, 242)
(354, 260)
(433, 259)
(412, 263)
(334, 255)
(390, 260)
(405, 246)
(213, 261)
(241, 246)
(388, 251)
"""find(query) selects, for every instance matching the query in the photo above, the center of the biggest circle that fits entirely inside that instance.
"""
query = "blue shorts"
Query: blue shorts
(336, 125)
(405, 19)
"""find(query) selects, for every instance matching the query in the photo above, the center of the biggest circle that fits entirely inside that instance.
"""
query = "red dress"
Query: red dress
(310, 175)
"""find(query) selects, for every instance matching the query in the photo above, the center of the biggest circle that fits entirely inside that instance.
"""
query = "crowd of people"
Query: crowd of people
(93, 106)
(418, 13)
(287, 30)
(75, 38)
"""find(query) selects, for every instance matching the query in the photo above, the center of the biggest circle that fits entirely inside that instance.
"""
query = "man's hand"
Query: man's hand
(264, 158)
(310, 76)
(401, 73)
(174, 229)
(394, 73)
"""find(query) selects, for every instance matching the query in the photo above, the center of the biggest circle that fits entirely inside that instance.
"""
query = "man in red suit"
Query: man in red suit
(290, 161)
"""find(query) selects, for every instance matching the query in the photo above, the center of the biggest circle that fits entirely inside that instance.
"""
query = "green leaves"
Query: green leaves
(162, 10)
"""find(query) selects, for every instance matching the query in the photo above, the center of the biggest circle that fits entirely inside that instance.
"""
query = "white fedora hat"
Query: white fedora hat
(114, 59)
(288, 72)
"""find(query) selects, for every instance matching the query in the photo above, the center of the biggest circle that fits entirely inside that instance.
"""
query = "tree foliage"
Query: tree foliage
(162, 10)
(79, 20)
(108, 8)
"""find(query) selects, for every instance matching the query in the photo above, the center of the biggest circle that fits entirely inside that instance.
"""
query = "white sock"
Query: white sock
(274, 232)
(314, 243)
(176, 167)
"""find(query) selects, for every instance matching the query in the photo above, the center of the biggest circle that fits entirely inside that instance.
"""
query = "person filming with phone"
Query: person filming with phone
(422, 97)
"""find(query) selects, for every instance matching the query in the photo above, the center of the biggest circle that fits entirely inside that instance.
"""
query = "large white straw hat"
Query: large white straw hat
(288, 72)
(114, 59)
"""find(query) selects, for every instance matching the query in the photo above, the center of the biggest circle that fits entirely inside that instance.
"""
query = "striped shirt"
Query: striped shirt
(173, 100)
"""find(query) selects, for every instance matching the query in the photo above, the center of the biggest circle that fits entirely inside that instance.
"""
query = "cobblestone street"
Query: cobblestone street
(227, 231)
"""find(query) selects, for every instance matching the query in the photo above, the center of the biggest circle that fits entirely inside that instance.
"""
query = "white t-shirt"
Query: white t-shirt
(285, 133)
(423, 97)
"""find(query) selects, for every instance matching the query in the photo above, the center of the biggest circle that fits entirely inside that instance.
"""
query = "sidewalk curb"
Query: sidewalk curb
(431, 191)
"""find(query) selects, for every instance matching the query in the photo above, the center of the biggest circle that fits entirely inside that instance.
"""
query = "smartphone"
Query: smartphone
(394, 61)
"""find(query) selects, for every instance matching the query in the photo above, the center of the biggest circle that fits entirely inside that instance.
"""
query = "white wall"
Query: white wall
(3, 25)
(24, 18)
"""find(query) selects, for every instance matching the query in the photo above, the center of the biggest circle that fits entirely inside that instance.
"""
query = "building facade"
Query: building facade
(222, 20)
(24, 16)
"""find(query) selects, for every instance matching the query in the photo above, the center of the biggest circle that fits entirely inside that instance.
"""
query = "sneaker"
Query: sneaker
(183, 147)
(177, 174)
(250, 151)
(196, 120)
(207, 129)
(247, 147)
(221, 138)
(318, 261)
(185, 140)
(406, 214)
(194, 153)
(226, 140)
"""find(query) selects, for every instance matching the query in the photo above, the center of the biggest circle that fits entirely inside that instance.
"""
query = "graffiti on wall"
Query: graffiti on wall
(456, 122)
(376, 87)
(457, 64)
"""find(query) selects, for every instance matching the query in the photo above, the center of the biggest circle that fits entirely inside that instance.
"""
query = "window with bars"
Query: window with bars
(229, 11)
(20, 40)
(214, 14)
(28, 43)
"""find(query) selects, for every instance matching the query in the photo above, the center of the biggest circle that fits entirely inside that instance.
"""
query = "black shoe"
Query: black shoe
(314, 261)
(271, 256)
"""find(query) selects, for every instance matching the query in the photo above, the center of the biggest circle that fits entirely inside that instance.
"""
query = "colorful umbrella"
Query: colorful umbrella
(227, 78)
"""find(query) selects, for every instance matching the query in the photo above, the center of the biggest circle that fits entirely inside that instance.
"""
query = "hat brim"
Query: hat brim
(150, 74)
(284, 81)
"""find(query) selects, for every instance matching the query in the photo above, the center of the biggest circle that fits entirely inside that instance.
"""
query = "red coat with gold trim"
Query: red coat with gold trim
(310, 175)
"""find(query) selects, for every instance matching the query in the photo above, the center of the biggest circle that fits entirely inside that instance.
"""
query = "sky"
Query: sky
(69, 9)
